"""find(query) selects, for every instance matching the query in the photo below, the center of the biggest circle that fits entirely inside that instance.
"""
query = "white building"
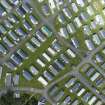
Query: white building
(43, 81)
(89, 44)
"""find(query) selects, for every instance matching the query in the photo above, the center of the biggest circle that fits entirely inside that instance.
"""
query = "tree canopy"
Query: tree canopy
(8, 99)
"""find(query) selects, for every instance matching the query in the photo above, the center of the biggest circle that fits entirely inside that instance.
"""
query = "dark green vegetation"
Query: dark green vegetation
(25, 99)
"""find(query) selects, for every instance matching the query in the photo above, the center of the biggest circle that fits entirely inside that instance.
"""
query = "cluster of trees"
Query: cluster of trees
(8, 99)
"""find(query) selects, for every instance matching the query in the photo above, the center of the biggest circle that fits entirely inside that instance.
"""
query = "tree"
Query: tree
(8, 99)
(32, 101)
